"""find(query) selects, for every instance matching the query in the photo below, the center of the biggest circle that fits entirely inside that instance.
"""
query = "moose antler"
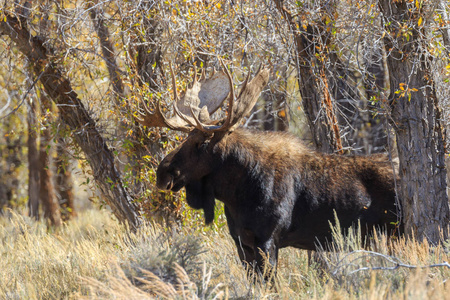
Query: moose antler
(237, 108)
(199, 101)
(204, 97)
(157, 119)
(249, 95)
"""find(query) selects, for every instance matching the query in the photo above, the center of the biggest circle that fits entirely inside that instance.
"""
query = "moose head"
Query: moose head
(190, 163)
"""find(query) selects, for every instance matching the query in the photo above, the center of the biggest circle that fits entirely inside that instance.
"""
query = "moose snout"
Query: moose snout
(164, 183)
(165, 179)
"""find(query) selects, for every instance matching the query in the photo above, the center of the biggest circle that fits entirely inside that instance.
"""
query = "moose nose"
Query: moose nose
(164, 183)
(165, 178)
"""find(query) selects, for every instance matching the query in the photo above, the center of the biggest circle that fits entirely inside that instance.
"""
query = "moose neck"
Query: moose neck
(241, 159)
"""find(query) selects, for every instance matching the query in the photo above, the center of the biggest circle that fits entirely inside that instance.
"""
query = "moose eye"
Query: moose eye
(202, 146)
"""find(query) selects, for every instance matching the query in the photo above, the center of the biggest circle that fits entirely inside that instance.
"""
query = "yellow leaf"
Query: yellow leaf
(420, 21)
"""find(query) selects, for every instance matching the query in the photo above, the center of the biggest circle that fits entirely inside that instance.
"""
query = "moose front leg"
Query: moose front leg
(266, 253)
(246, 253)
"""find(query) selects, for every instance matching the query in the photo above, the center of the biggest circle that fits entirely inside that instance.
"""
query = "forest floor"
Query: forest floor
(94, 257)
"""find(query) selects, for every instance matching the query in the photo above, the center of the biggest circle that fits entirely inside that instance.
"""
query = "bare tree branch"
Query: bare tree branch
(347, 262)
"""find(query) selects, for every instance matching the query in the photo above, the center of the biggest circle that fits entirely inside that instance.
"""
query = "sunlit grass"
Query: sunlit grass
(94, 257)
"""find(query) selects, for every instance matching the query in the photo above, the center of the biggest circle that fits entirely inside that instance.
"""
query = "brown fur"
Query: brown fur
(276, 191)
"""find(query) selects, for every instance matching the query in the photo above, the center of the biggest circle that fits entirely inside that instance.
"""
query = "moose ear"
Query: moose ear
(200, 195)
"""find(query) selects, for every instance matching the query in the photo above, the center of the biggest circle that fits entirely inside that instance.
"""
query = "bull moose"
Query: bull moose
(276, 191)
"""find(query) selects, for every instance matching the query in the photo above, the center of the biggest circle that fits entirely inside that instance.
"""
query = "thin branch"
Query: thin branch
(390, 259)
(24, 97)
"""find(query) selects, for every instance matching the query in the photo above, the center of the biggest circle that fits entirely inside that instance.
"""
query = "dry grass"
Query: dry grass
(94, 257)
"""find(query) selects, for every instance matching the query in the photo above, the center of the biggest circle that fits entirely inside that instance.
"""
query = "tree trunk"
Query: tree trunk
(416, 120)
(46, 193)
(445, 25)
(313, 83)
(76, 117)
(33, 161)
(107, 49)
(63, 183)
(11, 159)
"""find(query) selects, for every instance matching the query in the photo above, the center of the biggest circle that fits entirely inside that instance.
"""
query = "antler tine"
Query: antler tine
(146, 109)
(244, 85)
(174, 85)
(144, 115)
(259, 68)
(178, 112)
(203, 77)
(228, 123)
(181, 115)
(194, 119)
(249, 95)
(195, 75)
(230, 111)
(199, 125)
(155, 119)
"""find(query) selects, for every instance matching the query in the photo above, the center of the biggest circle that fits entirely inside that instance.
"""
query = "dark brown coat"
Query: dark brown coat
(277, 192)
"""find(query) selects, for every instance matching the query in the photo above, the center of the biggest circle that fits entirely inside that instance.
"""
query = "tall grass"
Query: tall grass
(93, 257)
